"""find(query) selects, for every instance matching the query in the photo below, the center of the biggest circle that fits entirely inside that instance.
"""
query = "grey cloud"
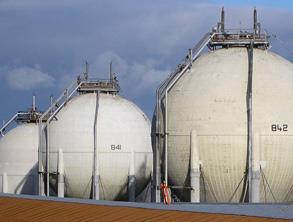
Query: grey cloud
(145, 40)
(136, 78)
(26, 78)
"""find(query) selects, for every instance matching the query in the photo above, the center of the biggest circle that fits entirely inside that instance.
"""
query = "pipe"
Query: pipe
(168, 87)
(61, 178)
(41, 128)
(96, 173)
(40, 161)
(48, 160)
(249, 119)
(8, 123)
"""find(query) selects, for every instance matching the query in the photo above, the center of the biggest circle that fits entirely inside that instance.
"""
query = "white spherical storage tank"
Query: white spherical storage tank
(122, 129)
(19, 160)
(210, 100)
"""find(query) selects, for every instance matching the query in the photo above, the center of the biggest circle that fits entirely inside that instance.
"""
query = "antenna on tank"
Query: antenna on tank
(86, 72)
(256, 24)
(34, 103)
(222, 20)
(111, 72)
(221, 24)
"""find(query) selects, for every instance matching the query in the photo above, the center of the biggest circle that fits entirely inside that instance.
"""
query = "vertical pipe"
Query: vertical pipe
(40, 160)
(4, 183)
(255, 180)
(131, 178)
(223, 20)
(249, 119)
(96, 173)
(61, 178)
(156, 195)
(48, 160)
(166, 138)
(194, 168)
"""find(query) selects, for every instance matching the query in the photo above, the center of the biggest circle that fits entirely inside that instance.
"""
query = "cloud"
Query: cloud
(145, 41)
(26, 78)
(135, 78)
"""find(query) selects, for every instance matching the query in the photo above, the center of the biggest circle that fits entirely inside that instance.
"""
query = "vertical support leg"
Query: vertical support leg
(194, 169)
(4, 183)
(131, 179)
(255, 180)
(156, 192)
(60, 188)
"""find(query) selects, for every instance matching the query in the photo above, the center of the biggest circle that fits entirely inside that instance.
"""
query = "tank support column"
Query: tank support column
(131, 179)
(4, 183)
(61, 178)
(255, 180)
(194, 169)
(156, 192)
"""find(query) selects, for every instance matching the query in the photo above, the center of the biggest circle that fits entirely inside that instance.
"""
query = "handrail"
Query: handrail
(50, 113)
(165, 87)
(7, 124)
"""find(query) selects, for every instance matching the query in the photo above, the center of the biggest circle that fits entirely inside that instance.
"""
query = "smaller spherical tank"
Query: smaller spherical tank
(121, 129)
(19, 160)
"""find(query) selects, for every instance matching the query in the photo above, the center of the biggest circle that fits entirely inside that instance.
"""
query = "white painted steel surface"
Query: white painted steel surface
(19, 158)
(121, 128)
(211, 99)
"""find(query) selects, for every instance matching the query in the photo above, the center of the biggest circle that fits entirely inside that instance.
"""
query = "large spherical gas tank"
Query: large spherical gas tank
(121, 129)
(211, 99)
(19, 160)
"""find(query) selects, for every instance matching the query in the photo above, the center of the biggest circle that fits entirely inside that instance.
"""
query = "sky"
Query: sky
(44, 44)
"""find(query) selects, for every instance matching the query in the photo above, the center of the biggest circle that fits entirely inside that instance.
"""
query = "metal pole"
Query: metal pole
(48, 160)
(96, 173)
(249, 119)
(131, 178)
(156, 192)
(40, 161)
(194, 169)
(160, 93)
(166, 138)
(61, 178)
